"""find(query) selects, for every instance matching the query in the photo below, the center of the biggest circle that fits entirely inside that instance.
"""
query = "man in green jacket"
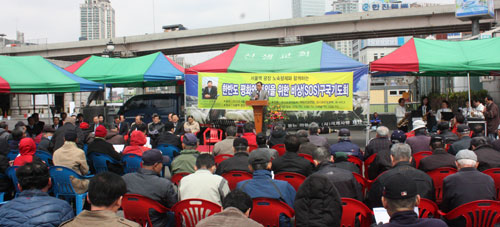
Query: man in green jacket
(186, 161)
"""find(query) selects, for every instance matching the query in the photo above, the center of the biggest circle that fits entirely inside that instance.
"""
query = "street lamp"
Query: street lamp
(109, 51)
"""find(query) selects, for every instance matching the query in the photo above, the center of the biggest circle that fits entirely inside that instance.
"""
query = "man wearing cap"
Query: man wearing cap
(439, 158)
(262, 185)
(226, 145)
(204, 184)
(47, 134)
(291, 161)
(487, 157)
(70, 156)
(99, 145)
(345, 145)
(343, 180)
(262, 144)
(421, 141)
(399, 198)
(240, 160)
(445, 132)
(463, 139)
(186, 161)
(316, 139)
(68, 124)
(401, 162)
(167, 136)
(467, 185)
(380, 142)
(147, 182)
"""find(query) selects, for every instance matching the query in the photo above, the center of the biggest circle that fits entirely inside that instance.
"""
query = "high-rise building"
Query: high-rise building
(97, 20)
(344, 6)
(304, 8)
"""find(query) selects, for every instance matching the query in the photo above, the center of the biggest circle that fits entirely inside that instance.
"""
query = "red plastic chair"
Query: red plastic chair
(176, 178)
(267, 211)
(234, 177)
(191, 211)
(368, 162)
(280, 148)
(355, 160)
(478, 213)
(294, 179)
(204, 148)
(365, 183)
(308, 157)
(419, 156)
(252, 147)
(136, 208)
(353, 209)
(428, 209)
(222, 157)
(495, 174)
(214, 136)
(438, 176)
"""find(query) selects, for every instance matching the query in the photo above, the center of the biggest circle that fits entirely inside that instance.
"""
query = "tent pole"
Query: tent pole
(34, 103)
(468, 88)
(368, 112)
(185, 101)
(48, 105)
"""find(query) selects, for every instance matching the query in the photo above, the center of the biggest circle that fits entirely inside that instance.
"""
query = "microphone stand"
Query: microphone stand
(209, 119)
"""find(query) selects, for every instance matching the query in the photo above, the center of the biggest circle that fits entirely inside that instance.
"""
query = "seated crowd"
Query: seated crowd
(399, 180)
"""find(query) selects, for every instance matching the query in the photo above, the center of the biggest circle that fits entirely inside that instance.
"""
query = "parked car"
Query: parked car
(147, 105)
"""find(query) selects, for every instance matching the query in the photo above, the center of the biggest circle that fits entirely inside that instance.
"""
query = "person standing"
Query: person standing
(259, 94)
(401, 114)
(491, 116)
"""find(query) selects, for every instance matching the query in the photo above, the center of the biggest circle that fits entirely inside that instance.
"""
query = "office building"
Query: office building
(344, 7)
(305, 8)
(97, 20)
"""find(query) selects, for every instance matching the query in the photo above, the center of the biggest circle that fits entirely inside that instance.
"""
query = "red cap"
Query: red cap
(101, 131)
(84, 125)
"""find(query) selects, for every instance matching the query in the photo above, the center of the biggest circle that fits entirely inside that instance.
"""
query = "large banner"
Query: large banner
(331, 91)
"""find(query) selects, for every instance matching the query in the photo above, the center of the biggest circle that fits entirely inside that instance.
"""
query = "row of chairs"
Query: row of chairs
(267, 211)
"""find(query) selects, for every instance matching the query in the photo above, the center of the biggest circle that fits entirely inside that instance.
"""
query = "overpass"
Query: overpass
(373, 24)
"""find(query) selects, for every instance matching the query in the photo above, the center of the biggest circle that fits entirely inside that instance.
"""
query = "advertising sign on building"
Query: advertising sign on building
(377, 5)
(466, 9)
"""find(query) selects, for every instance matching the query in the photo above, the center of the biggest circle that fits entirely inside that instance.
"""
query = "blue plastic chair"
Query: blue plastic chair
(169, 150)
(11, 173)
(132, 163)
(12, 154)
(46, 157)
(61, 184)
(100, 161)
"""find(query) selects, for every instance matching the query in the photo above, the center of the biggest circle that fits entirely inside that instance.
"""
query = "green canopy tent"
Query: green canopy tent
(34, 74)
(443, 58)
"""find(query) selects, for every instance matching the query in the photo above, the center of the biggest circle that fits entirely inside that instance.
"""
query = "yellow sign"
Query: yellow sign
(292, 91)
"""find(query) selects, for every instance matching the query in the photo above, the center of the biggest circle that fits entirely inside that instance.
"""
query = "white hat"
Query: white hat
(418, 124)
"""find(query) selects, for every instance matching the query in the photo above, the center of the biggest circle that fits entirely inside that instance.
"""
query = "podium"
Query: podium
(258, 112)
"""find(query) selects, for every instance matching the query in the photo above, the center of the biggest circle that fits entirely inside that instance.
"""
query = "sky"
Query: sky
(51, 21)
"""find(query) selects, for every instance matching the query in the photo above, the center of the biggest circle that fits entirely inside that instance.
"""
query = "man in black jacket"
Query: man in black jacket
(401, 161)
(467, 185)
(4, 138)
(439, 158)
(340, 161)
(155, 128)
(380, 142)
(487, 157)
(123, 126)
(463, 142)
(99, 145)
(48, 133)
(318, 203)
(382, 161)
(240, 160)
(343, 180)
(168, 137)
(290, 161)
(58, 139)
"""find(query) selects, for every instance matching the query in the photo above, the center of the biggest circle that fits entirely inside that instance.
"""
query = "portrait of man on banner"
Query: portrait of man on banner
(259, 93)
(210, 90)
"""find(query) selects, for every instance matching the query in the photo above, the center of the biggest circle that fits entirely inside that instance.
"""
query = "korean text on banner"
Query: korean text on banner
(292, 91)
